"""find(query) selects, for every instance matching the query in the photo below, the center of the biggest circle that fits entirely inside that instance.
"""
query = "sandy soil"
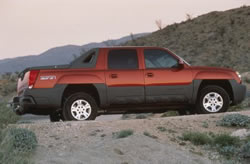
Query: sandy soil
(93, 142)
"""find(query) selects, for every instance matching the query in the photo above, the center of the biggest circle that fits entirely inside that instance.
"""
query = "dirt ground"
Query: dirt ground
(93, 141)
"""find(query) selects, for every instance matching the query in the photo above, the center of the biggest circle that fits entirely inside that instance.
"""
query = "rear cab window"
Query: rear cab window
(123, 59)
(86, 60)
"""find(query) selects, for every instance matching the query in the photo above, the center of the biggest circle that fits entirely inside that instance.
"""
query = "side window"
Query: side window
(89, 58)
(123, 59)
(155, 58)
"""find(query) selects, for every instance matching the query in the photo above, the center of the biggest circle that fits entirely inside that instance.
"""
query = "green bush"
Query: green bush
(197, 138)
(170, 114)
(227, 151)
(247, 80)
(7, 116)
(123, 133)
(17, 145)
(242, 106)
(234, 120)
(226, 140)
(18, 140)
(150, 135)
(141, 116)
(162, 129)
(125, 116)
(245, 150)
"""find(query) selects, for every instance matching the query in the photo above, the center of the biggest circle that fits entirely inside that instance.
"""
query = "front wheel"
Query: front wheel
(80, 106)
(212, 99)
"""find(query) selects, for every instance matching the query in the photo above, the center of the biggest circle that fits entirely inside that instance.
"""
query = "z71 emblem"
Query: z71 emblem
(47, 77)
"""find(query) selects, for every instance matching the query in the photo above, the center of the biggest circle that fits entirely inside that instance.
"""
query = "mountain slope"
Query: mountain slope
(214, 39)
(57, 56)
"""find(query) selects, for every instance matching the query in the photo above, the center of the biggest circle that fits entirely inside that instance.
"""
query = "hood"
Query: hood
(205, 68)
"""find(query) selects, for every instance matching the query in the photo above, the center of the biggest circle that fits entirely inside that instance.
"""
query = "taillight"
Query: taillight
(33, 77)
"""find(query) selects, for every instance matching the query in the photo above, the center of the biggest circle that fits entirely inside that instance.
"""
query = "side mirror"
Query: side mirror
(181, 64)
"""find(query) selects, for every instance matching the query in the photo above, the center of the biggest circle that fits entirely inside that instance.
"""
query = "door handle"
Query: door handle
(150, 74)
(113, 76)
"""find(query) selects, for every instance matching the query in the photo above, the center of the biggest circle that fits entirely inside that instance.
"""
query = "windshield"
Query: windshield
(180, 57)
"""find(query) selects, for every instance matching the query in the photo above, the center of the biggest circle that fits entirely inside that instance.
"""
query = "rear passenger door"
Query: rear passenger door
(124, 78)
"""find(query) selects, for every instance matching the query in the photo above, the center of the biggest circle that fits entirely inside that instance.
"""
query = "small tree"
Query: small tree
(189, 17)
(159, 24)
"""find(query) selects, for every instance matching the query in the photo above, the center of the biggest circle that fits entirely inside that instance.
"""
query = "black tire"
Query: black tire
(56, 116)
(67, 114)
(212, 89)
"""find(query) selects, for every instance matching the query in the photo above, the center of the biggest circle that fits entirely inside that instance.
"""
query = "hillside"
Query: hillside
(57, 55)
(214, 39)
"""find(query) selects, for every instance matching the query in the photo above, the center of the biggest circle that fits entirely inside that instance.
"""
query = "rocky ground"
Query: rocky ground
(94, 141)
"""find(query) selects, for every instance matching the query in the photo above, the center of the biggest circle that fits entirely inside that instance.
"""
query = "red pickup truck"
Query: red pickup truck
(125, 80)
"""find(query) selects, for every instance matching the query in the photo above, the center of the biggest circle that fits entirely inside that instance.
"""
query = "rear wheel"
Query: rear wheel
(212, 99)
(80, 106)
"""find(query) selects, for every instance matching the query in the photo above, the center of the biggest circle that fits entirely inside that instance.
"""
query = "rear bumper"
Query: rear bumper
(38, 101)
(239, 92)
(23, 104)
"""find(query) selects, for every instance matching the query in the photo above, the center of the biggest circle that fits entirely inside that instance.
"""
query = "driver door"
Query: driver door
(166, 82)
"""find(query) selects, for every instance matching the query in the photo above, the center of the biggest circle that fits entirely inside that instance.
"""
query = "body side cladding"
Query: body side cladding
(196, 86)
(102, 91)
(47, 96)
(169, 94)
(239, 92)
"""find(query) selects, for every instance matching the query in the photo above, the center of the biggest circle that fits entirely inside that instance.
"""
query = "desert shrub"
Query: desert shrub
(234, 120)
(8, 88)
(170, 113)
(125, 116)
(149, 135)
(247, 80)
(7, 116)
(227, 151)
(17, 145)
(136, 116)
(196, 138)
(162, 129)
(140, 116)
(123, 133)
(205, 124)
(244, 105)
(18, 140)
(245, 150)
(8, 84)
(222, 140)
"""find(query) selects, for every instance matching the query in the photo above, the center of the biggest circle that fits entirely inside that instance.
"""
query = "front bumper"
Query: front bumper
(239, 92)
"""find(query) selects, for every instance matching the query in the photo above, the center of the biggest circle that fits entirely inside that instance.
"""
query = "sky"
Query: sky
(30, 27)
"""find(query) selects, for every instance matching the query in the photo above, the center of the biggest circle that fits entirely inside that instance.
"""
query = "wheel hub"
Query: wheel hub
(81, 109)
(212, 102)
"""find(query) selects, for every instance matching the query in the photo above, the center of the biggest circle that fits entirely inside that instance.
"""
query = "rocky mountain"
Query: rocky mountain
(214, 39)
(57, 55)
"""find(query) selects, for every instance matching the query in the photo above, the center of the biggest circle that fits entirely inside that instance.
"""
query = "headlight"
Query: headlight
(238, 75)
